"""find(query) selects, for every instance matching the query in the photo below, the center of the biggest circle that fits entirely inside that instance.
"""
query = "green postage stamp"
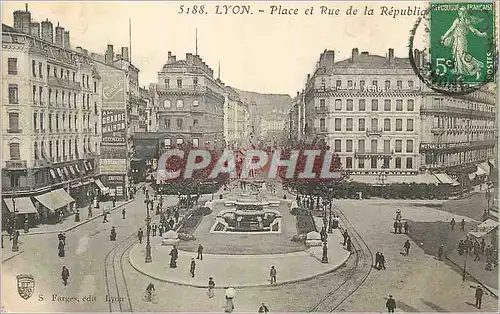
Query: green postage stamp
(462, 42)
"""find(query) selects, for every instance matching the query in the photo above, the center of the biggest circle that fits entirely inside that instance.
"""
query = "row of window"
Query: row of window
(37, 71)
(179, 82)
(72, 122)
(374, 124)
(349, 105)
(362, 84)
(179, 123)
(168, 142)
(374, 163)
(167, 104)
(60, 149)
(398, 146)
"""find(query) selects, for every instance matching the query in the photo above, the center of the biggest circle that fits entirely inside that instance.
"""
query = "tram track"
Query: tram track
(117, 292)
(354, 277)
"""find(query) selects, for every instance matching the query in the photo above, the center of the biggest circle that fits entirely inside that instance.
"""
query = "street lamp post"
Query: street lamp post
(148, 230)
(15, 239)
(465, 265)
(324, 259)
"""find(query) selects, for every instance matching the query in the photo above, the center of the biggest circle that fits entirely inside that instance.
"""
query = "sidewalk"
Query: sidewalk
(69, 222)
(238, 270)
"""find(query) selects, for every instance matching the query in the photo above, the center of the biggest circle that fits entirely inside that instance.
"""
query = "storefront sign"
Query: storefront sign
(113, 166)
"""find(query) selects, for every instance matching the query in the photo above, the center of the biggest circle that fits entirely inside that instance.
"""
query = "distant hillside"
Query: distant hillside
(267, 103)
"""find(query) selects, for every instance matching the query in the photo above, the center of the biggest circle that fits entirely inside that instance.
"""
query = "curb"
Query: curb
(240, 286)
(11, 257)
(77, 225)
(474, 278)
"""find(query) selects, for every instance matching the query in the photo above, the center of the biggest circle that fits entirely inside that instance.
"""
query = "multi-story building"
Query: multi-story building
(366, 108)
(297, 118)
(236, 119)
(191, 104)
(51, 107)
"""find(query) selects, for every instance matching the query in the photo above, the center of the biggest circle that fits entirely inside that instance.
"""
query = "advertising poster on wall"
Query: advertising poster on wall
(114, 120)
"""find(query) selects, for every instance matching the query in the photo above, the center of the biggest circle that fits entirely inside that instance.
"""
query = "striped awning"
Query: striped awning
(483, 169)
(446, 179)
(23, 205)
(53, 174)
(55, 199)
(72, 170)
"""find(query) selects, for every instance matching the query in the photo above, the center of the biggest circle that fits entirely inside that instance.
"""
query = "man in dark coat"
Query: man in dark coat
(349, 244)
(395, 227)
(452, 224)
(406, 227)
(479, 296)
(390, 304)
(140, 235)
(440, 252)
(123, 213)
(462, 225)
(377, 260)
(407, 247)
(200, 252)
(382, 260)
(174, 254)
(345, 235)
(60, 247)
(192, 267)
(65, 275)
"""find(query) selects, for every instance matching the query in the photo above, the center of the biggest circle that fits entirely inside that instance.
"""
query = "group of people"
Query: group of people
(347, 240)
(477, 249)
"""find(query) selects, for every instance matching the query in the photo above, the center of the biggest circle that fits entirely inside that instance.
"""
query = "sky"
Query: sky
(262, 52)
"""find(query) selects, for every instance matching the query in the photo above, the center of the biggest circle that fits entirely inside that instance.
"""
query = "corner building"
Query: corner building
(366, 108)
(51, 109)
(191, 104)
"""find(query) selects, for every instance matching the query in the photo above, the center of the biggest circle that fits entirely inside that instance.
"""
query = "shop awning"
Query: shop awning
(72, 170)
(77, 169)
(59, 172)
(484, 228)
(65, 195)
(419, 178)
(101, 186)
(23, 205)
(52, 174)
(53, 200)
(66, 172)
(86, 166)
(446, 179)
(483, 169)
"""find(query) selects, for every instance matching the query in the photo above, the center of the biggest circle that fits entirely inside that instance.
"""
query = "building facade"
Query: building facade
(51, 110)
(190, 104)
(236, 119)
(366, 108)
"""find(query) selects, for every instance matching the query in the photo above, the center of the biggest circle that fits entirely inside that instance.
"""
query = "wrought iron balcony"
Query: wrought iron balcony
(374, 132)
(14, 131)
(15, 164)
(321, 110)
(55, 81)
(358, 154)
(457, 145)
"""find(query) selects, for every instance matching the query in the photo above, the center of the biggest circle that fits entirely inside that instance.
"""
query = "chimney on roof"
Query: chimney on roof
(79, 49)
(108, 57)
(47, 31)
(308, 77)
(298, 93)
(22, 20)
(391, 56)
(189, 58)
(174, 58)
(355, 54)
(59, 35)
(125, 55)
(35, 29)
(67, 43)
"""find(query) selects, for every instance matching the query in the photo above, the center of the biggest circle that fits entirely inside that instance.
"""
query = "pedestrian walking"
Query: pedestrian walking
(123, 213)
(476, 254)
(65, 275)
(105, 217)
(144, 190)
(192, 267)
(349, 244)
(155, 227)
(479, 296)
(273, 274)
(263, 308)
(345, 235)
(452, 224)
(114, 201)
(112, 235)
(211, 287)
(60, 248)
(61, 216)
(407, 247)
(377, 260)
(160, 229)
(382, 260)
(440, 252)
(390, 304)
(200, 252)
(60, 237)
(140, 235)
(395, 227)
(462, 225)
(483, 245)
(406, 227)
(89, 213)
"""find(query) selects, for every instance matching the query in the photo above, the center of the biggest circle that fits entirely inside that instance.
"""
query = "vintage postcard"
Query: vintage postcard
(243, 156)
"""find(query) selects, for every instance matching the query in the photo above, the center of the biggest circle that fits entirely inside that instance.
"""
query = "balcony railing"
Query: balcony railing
(320, 130)
(14, 131)
(196, 129)
(15, 164)
(321, 110)
(64, 83)
(454, 145)
(359, 154)
(376, 132)
(457, 111)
